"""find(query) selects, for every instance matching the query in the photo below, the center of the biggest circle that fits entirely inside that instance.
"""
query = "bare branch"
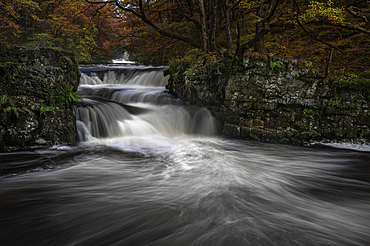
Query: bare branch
(190, 18)
(304, 29)
(354, 11)
(271, 9)
(97, 13)
(280, 12)
(143, 17)
(236, 4)
(353, 28)
(328, 64)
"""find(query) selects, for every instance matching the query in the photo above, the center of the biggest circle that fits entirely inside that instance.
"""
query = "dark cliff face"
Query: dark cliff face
(36, 90)
(276, 101)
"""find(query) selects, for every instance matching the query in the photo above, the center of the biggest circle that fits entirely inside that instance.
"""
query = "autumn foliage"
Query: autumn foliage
(69, 24)
(157, 31)
(325, 11)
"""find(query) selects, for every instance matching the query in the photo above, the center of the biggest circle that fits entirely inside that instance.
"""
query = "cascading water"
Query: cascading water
(132, 101)
(149, 170)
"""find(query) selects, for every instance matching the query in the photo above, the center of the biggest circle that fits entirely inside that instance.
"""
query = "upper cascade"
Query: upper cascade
(121, 60)
(132, 75)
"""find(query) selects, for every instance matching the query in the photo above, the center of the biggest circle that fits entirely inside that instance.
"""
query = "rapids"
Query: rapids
(150, 170)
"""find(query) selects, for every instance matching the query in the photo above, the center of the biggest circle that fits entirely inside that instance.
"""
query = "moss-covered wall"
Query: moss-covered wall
(275, 100)
(36, 90)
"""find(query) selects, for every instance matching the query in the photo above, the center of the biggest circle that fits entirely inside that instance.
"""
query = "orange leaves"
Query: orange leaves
(73, 25)
(17, 17)
(8, 17)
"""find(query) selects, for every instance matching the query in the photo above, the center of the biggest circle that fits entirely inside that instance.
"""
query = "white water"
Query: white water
(153, 78)
(160, 175)
(124, 59)
(145, 91)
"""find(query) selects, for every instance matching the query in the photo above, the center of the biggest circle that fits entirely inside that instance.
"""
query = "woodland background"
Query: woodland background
(332, 34)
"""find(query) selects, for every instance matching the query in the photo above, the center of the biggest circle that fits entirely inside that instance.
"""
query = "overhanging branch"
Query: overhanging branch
(304, 29)
(142, 16)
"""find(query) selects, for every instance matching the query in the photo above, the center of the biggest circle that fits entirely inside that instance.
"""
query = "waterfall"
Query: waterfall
(131, 100)
(147, 171)
(124, 76)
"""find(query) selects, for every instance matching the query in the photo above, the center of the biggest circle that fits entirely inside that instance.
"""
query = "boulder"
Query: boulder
(36, 90)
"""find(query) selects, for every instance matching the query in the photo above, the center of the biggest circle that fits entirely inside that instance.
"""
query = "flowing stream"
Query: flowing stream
(150, 170)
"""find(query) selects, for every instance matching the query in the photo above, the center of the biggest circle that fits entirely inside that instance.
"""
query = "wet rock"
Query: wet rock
(35, 97)
(290, 104)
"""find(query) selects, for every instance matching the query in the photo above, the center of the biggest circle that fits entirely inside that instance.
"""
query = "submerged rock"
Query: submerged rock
(35, 97)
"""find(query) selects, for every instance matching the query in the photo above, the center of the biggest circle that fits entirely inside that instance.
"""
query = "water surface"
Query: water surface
(149, 170)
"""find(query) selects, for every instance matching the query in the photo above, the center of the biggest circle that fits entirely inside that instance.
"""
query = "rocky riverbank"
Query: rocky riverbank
(275, 101)
(36, 91)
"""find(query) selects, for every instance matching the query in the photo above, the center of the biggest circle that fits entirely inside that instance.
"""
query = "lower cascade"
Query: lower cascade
(150, 170)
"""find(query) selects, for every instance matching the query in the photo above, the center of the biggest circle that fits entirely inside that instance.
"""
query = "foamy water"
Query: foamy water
(149, 170)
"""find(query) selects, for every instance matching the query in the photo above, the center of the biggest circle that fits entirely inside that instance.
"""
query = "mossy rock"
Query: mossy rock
(32, 79)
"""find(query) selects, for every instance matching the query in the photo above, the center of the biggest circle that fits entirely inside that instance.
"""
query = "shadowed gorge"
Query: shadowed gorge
(250, 126)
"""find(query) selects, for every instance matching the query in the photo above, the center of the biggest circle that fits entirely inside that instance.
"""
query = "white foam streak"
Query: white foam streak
(152, 95)
(121, 60)
(90, 80)
(137, 127)
(350, 145)
(150, 79)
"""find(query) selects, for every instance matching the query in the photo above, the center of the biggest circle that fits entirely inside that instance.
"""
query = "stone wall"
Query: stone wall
(36, 86)
(276, 101)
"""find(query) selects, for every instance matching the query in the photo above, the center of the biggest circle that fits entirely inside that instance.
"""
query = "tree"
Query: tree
(71, 24)
(214, 25)
(209, 19)
(17, 19)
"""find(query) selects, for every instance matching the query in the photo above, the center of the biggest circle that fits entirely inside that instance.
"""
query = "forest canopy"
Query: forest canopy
(157, 31)
(72, 25)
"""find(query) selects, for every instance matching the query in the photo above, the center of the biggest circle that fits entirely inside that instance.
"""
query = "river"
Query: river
(151, 170)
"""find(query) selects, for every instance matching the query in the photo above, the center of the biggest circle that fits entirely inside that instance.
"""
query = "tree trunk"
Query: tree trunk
(213, 31)
(259, 28)
(228, 29)
(243, 13)
(204, 26)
